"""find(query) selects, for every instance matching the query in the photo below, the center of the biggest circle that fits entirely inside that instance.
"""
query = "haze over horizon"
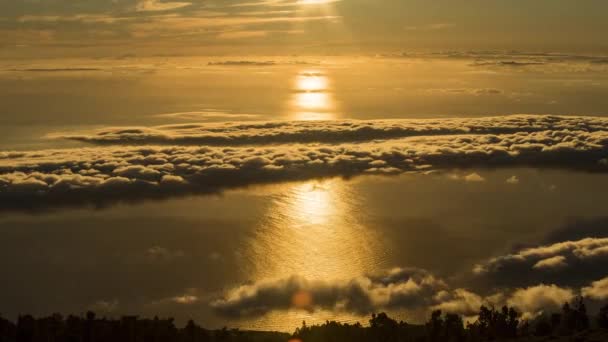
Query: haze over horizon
(94, 28)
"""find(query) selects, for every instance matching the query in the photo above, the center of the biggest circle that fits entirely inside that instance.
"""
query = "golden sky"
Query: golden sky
(35, 28)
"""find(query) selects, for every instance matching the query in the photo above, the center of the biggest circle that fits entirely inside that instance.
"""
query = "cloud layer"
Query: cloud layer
(281, 132)
(398, 288)
(105, 174)
(405, 290)
(581, 259)
(416, 292)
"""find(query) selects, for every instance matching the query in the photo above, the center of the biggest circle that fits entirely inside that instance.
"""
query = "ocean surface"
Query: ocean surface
(182, 254)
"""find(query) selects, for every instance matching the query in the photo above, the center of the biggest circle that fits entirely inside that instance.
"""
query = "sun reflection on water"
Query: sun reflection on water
(312, 229)
(313, 99)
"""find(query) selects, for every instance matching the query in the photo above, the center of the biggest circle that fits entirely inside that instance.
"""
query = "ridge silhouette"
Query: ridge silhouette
(506, 324)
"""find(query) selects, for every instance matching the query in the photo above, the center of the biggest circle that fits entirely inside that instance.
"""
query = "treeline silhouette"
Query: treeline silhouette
(89, 328)
(572, 323)
(506, 324)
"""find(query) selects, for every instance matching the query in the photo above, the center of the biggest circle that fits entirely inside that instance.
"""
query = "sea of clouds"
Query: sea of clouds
(130, 164)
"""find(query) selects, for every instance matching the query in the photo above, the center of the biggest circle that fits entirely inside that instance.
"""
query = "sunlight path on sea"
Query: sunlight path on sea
(313, 98)
(313, 230)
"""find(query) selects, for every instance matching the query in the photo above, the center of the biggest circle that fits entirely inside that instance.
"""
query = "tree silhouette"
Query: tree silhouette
(491, 325)
(602, 318)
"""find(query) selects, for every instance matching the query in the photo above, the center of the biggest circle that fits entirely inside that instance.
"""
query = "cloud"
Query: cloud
(57, 69)
(210, 114)
(598, 290)
(513, 180)
(567, 262)
(415, 291)
(529, 301)
(301, 151)
(163, 255)
(507, 63)
(553, 262)
(467, 91)
(474, 178)
(399, 288)
(581, 249)
(533, 300)
(244, 63)
(339, 131)
(460, 301)
(158, 5)
(189, 297)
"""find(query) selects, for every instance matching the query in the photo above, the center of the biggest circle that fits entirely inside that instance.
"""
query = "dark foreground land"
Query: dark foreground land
(571, 324)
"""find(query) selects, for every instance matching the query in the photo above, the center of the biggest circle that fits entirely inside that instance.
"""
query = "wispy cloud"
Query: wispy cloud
(158, 5)
(430, 27)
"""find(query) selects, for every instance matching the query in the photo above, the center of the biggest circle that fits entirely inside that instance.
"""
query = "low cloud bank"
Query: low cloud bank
(571, 262)
(548, 278)
(398, 288)
(343, 131)
(406, 290)
(101, 175)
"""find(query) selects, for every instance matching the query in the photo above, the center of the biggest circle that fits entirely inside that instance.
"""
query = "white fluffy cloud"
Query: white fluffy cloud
(533, 300)
(597, 290)
(552, 262)
(549, 256)
(399, 288)
(406, 290)
(110, 173)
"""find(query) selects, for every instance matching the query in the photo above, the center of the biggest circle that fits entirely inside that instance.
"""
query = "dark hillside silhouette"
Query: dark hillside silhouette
(506, 324)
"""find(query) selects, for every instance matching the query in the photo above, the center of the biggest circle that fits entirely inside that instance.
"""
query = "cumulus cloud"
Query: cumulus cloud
(399, 288)
(597, 290)
(474, 177)
(460, 301)
(406, 290)
(553, 262)
(554, 253)
(567, 262)
(533, 300)
(530, 301)
(513, 180)
(100, 175)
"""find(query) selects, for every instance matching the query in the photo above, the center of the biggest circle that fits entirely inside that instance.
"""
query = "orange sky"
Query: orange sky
(30, 28)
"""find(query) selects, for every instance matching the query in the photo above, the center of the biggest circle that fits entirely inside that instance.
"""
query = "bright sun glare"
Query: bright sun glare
(313, 100)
